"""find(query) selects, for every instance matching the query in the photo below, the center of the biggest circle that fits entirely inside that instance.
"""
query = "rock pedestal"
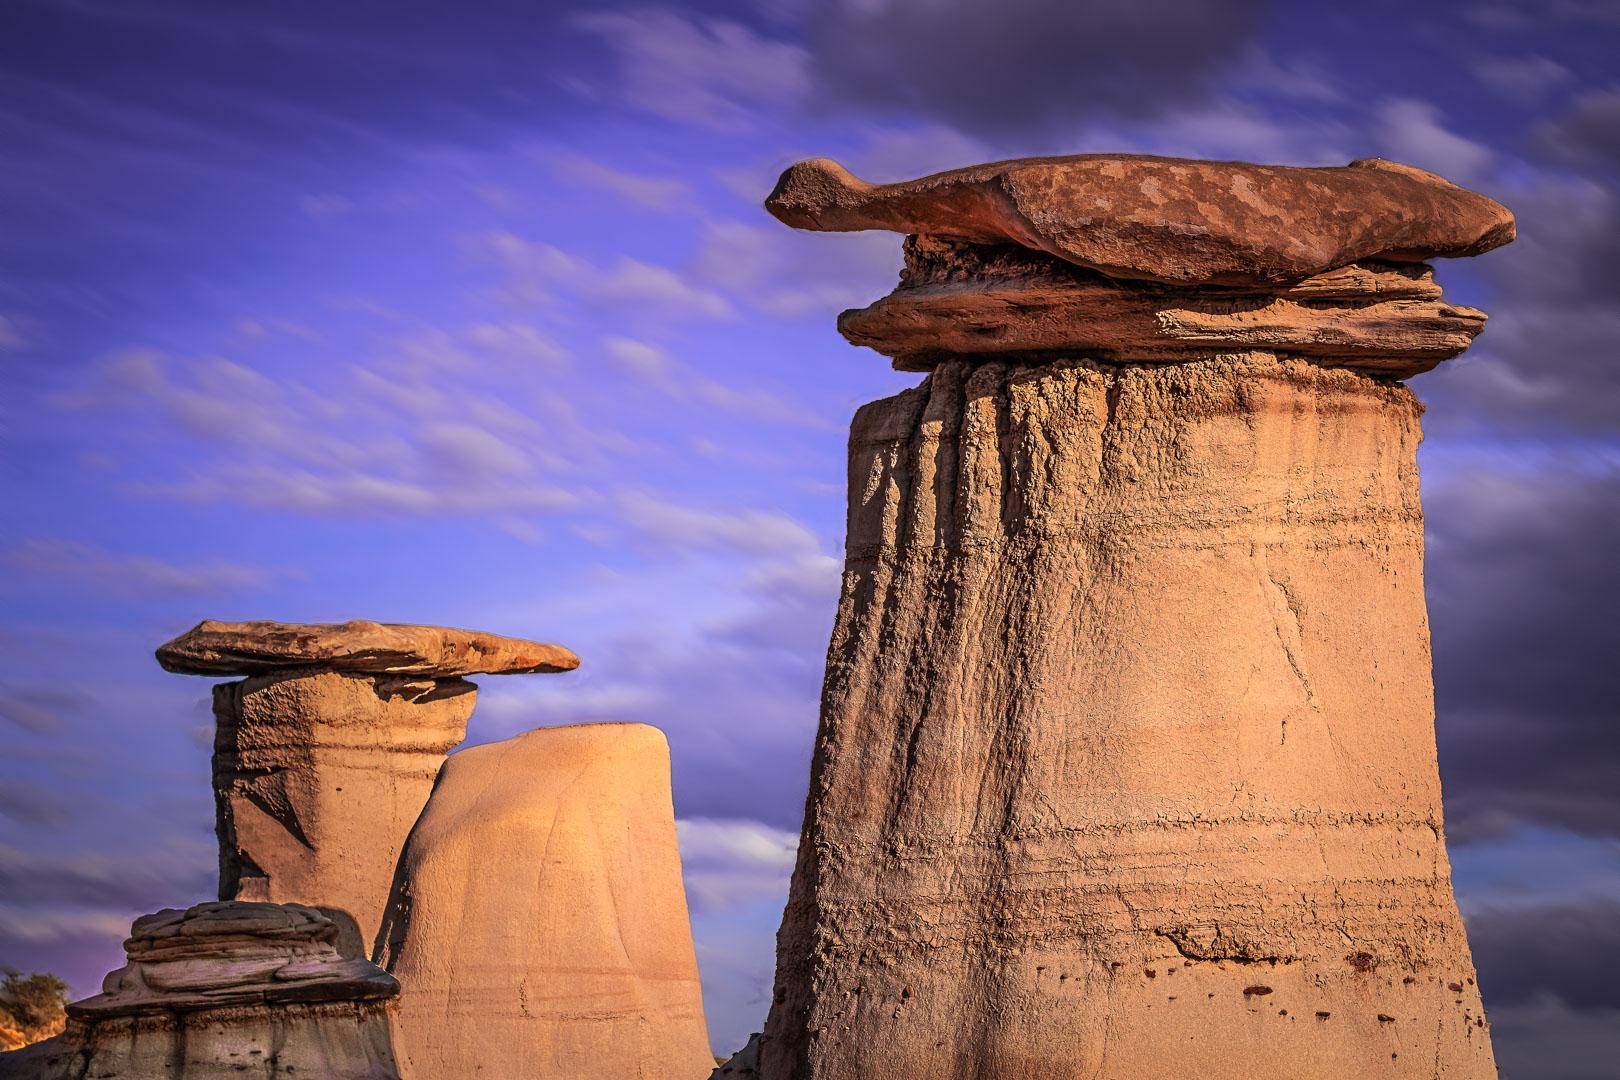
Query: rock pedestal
(325, 755)
(539, 926)
(226, 990)
(1126, 764)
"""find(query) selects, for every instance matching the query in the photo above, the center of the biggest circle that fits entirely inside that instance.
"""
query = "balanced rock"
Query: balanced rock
(257, 648)
(1126, 762)
(1132, 216)
(539, 926)
(226, 990)
(326, 754)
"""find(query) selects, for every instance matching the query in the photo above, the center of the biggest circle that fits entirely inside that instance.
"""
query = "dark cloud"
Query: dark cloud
(183, 872)
(1547, 1040)
(40, 711)
(1545, 363)
(1572, 948)
(34, 806)
(1019, 67)
(1589, 133)
(1521, 580)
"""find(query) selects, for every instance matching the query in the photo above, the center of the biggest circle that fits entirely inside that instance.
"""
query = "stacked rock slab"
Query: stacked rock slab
(325, 754)
(226, 990)
(540, 927)
(1126, 765)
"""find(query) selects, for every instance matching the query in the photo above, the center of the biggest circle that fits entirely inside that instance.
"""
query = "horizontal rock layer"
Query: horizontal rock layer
(220, 954)
(959, 299)
(226, 991)
(1165, 219)
(257, 648)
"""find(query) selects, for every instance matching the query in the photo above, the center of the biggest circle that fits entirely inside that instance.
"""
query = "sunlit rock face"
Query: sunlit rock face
(539, 925)
(243, 991)
(1126, 763)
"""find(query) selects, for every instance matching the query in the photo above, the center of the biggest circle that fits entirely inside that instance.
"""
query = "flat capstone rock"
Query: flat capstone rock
(1137, 217)
(260, 648)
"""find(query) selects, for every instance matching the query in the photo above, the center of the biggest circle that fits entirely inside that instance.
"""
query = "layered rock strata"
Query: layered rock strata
(238, 990)
(539, 926)
(1126, 764)
(326, 754)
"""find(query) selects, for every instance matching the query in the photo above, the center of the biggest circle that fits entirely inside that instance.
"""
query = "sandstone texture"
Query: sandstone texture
(256, 648)
(1126, 762)
(1165, 219)
(318, 778)
(960, 299)
(539, 925)
(226, 990)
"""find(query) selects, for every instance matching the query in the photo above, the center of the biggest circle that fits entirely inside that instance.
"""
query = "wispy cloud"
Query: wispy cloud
(662, 193)
(90, 567)
(707, 72)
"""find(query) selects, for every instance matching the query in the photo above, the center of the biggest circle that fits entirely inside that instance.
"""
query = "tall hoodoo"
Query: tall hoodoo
(325, 754)
(1126, 765)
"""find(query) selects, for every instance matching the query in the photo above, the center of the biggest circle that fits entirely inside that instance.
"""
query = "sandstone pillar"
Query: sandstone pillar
(226, 991)
(539, 926)
(325, 755)
(1126, 763)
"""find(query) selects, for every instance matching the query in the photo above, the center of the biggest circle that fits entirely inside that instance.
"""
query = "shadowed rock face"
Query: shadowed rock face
(318, 778)
(539, 924)
(237, 990)
(1126, 761)
(257, 648)
(1165, 219)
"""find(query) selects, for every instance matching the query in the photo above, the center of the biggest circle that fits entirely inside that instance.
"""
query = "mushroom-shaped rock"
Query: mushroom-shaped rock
(258, 648)
(324, 756)
(238, 990)
(1126, 762)
(539, 926)
(1165, 219)
(1136, 259)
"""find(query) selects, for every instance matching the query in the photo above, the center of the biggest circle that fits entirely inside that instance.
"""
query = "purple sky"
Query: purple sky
(468, 313)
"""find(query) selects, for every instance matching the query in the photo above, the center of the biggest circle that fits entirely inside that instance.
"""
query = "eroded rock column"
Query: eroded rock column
(1126, 764)
(325, 755)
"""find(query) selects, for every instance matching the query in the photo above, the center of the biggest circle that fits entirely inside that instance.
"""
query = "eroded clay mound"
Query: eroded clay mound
(540, 926)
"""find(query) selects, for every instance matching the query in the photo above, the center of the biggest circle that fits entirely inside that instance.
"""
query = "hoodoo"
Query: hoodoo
(326, 753)
(1126, 764)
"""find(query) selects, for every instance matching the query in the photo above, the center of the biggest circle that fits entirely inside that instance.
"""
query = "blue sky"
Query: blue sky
(469, 314)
